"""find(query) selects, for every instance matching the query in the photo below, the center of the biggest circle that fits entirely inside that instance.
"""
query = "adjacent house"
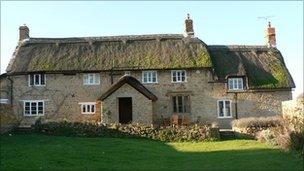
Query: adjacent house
(144, 78)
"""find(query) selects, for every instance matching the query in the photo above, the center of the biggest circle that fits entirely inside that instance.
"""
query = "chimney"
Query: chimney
(189, 27)
(271, 36)
(24, 32)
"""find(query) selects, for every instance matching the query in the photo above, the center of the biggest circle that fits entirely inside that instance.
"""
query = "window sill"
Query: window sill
(34, 115)
(230, 117)
(90, 84)
(150, 83)
(88, 113)
(236, 91)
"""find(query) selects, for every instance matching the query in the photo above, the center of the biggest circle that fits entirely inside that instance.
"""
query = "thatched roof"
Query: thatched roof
(263, 66)
(132, 82)
(104, 53)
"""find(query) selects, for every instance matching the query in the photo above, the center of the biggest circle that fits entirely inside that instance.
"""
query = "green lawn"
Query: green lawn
(39, 152)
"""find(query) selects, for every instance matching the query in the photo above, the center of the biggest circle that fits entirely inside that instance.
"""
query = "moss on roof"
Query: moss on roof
(169, 52)
(264, 67)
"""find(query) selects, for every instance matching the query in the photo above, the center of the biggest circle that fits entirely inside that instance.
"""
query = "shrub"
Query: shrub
(253, 125)
(169, 133)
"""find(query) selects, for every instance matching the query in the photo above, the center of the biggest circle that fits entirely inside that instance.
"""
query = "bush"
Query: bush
(253, 125)
(169, 133)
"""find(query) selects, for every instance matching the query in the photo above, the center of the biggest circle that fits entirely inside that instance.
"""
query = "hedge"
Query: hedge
(168, 133)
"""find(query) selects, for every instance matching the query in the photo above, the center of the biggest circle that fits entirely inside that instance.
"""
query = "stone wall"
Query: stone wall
(63, 93)
(141, 106)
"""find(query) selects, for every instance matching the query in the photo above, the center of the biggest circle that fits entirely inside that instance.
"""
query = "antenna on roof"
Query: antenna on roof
(266, 18)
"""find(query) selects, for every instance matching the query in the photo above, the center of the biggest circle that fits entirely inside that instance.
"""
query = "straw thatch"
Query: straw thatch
(263, 66)
(105, 53)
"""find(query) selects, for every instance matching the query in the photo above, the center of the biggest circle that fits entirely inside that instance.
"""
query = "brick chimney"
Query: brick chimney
(189, 32)
(271, 36)
(24, 32)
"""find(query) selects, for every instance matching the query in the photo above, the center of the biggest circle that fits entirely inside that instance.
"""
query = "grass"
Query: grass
(40, 152)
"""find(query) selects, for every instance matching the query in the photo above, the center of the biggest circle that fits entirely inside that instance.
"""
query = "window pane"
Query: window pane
(86, 78)
(180, 104)
(183, 77)
(31, 79)
(97, 78)
(91, 79)
(83, 108)
(221, 107)
(27, 108)
(174, 104)
(227, 108)
(186, 104)
(240, 83)
(88, 108)
(235, 83)
(42, 79)
(33, 108)
(230, 84)
(37, 79)
(93, 108)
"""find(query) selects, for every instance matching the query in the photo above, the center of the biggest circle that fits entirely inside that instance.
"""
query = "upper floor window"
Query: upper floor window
(235, 84)
(149, 77)
(33, 107)
(37, 79)
(181, 104)
(91, 79)
(88, 108)
(178, 76)
(128, 73)
(224, 108)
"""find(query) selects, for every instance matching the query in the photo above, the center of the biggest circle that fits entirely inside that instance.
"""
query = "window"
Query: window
(88, 108)
(128, 73)
(235, 83)
(4, 101)
(91, 79)
(149, 77)
(181, 104)
(33, 108)
(178, 76)
(37, 79)
(224, 108)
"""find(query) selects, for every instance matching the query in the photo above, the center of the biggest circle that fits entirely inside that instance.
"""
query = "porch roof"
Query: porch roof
(133, 82)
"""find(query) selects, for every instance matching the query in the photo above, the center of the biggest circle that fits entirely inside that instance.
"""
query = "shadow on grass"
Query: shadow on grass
(36, 152)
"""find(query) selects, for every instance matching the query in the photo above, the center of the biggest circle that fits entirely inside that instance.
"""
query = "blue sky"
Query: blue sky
(214, 22)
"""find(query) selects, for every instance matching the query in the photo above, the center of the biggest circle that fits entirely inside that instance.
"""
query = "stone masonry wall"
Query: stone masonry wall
(63, 93)
(141, 106)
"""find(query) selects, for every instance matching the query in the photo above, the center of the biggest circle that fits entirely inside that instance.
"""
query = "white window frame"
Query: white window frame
(224, 107)
(33, 101)
(88, 76)
(233, 83)
(34, 83)
(178, 79)
(86, 104)
(149, 75)
(4, 101)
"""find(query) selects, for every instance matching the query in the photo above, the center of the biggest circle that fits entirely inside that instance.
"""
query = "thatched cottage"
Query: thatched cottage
(144, 79)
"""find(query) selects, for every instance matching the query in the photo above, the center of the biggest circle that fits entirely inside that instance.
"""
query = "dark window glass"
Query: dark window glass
(42, 79)
(31, 79)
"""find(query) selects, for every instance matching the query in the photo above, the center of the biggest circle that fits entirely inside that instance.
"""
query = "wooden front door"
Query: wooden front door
(125, 110)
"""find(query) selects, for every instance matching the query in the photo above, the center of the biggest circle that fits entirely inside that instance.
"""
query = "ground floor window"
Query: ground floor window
(224, 108)
(33, 108)
(88, 108)
(181, 104)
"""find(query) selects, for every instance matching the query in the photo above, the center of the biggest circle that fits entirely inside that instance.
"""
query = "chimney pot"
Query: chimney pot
(271, 36)
(189, 27)
(24, 32)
